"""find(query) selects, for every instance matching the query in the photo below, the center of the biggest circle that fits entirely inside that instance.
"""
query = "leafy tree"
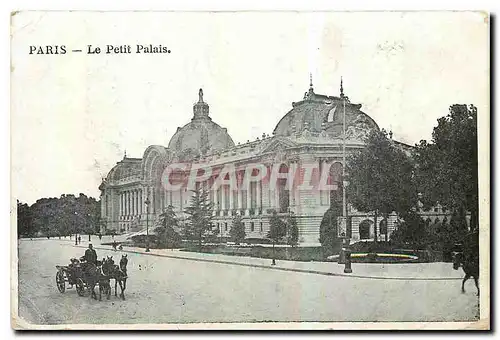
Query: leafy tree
(328, 232)
(167, 236)
(277, 230)
(292, 230)
(381, 178)
(237, 231)
(413, 231)
(59, 216)
(199, 213)
(447, 167)
(24, 220)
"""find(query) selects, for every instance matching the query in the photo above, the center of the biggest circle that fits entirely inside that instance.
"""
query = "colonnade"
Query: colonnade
(131, 203)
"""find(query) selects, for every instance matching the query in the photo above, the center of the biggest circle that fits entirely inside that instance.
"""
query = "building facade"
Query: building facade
(310, 136)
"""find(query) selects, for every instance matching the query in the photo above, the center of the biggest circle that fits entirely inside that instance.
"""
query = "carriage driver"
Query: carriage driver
(90, 255)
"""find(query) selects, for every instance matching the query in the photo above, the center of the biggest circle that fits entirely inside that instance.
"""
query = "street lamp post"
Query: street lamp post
(88, 218)
(146, 202)
(76, 230)
(347, 251)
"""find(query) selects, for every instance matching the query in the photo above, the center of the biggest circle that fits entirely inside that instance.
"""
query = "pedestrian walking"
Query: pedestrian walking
(79, 239)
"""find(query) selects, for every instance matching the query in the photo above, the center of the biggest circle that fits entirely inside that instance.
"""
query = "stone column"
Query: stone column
(136, 202)
(258, 198)
(223, 199)
(231, 201)
(132, 202)
(240, 192)
(143, 206)
(121, 204)
(132, 194)
(249, 199)
(125, 197)
(271, 196)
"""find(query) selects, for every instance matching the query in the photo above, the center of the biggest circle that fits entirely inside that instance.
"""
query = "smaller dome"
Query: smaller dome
(201, 136)
(125, 168)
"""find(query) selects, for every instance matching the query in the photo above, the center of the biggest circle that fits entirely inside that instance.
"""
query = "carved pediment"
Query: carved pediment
(277, 145)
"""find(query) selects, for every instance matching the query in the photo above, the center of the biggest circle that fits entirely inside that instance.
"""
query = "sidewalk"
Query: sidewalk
(408, 271)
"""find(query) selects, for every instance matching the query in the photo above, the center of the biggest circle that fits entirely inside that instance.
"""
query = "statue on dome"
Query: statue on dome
(200, 96)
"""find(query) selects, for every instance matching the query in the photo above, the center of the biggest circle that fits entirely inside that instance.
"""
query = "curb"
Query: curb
(297, 270)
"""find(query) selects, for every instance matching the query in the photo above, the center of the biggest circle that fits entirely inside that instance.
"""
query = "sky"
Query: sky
(74, 115)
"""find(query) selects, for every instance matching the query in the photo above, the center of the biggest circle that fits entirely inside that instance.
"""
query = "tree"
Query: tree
(277, 229)
(59, 216)
(447, 167)
(199, 213)
(381, 178)
(168, 218)
(413, 231)
(24, 220)
(237, 231)
(328, 232)
(292, 230)
(167, 236)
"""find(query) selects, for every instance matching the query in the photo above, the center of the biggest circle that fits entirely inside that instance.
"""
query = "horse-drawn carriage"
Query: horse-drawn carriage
(73, 275)
(87, 276)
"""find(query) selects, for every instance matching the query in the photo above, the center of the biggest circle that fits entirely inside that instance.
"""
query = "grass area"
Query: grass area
(280, 253)
(368, 252)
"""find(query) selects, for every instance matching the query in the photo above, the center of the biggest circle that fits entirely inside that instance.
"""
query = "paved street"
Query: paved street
(169, 290)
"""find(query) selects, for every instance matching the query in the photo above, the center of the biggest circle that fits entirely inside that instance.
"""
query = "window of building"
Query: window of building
(252, 226)
(261, 227)
(225, 226)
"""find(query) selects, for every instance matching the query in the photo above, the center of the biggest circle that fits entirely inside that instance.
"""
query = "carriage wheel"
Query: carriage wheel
(61, 284)
(80, 287)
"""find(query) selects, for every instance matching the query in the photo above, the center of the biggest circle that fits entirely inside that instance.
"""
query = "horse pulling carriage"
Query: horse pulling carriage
(87, 276)
(466, 256)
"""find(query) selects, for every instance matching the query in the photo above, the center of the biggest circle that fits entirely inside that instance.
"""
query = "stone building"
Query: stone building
(310, 133)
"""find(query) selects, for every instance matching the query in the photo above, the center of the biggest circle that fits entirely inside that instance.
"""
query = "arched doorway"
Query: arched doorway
(383, 227)
(364, 229)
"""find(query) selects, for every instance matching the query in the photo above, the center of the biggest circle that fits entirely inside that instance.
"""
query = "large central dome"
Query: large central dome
(319, 114)
(201, 136)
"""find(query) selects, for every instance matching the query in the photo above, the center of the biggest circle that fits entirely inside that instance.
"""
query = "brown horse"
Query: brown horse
(470, 265)
(93, 275)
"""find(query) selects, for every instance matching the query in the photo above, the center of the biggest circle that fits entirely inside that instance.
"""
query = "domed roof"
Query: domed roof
(200, 136)
(125, 168)
(319, 114)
